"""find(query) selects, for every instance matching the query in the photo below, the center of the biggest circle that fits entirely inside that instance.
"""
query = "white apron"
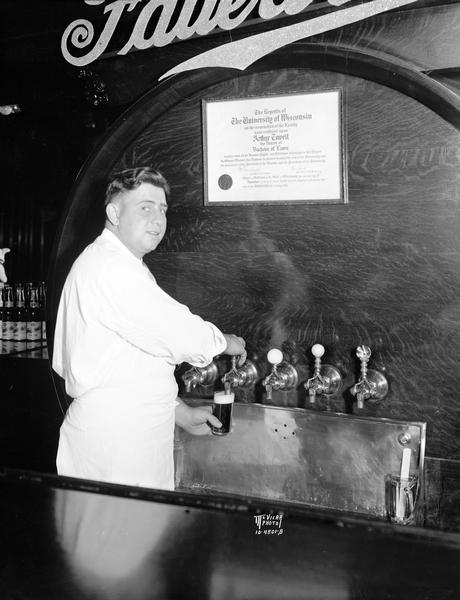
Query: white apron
(119, 436)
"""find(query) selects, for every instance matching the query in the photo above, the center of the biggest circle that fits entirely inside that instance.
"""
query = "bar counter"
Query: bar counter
(75, 539)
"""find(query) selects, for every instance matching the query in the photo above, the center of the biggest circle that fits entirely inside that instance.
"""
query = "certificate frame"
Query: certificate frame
(275, 149)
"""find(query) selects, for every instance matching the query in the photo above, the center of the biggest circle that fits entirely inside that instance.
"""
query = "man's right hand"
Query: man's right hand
(236, 346)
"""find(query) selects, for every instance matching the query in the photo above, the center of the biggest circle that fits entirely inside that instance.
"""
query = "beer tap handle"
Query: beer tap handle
(314, 384)
(231, 377)
(364, 354)
(283, 376)
(318, 351)
(274, 357)
(372, 385)
(326, 379)
(200, 376)
(240, 377)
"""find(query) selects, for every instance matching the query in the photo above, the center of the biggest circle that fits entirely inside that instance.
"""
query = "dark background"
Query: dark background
(44, 146)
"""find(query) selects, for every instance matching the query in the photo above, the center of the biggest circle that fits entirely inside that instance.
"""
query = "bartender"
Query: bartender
(118, 339)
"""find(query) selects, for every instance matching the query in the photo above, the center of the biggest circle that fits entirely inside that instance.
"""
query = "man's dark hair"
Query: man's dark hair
(130, 179)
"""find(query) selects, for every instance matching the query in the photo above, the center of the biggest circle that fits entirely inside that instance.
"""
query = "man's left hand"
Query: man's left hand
(197, 420)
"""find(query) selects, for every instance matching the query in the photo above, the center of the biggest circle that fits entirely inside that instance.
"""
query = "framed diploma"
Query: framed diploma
(275, 149)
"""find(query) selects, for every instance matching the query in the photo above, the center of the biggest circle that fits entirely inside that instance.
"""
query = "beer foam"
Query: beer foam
(223, 397)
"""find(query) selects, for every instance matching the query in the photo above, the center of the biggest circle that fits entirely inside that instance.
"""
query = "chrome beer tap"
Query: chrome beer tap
(200, 376)
(372, 385)
(283, 376)
(240, 377)
(326, 379)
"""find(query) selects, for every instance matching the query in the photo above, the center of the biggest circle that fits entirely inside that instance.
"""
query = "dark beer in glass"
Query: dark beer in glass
(222, 409)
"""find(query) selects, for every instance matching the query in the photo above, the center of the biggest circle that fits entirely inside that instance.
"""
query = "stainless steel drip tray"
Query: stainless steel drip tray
(330, 460)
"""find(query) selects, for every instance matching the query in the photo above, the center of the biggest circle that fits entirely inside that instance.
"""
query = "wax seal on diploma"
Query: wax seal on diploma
(225, 182)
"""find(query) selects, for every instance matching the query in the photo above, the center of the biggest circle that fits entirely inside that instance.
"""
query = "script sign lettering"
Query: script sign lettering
(80, 47)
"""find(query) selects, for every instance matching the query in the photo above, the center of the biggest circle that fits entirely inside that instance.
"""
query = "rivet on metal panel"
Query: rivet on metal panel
(405, 438)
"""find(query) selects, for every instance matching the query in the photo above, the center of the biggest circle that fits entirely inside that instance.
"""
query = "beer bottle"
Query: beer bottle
(42, 305)
(1, 310)
(27, 289)
(34, 321)
(8, 314)
(19, 333)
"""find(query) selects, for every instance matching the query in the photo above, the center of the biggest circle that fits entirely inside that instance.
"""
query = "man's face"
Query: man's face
(141, 218)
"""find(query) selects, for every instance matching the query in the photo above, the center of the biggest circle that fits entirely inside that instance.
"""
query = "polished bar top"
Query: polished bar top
(64, 538)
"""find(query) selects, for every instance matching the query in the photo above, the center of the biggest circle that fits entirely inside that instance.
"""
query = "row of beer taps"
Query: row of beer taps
(326, 381)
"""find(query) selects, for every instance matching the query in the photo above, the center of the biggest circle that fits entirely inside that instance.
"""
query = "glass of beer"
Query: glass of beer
(222, 409)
